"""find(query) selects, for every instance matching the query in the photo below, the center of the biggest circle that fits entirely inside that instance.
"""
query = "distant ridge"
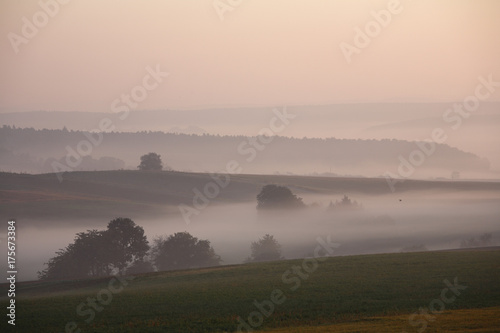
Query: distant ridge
(35, 151)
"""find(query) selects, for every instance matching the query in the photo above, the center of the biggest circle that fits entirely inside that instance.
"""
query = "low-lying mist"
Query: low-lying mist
(386, 223)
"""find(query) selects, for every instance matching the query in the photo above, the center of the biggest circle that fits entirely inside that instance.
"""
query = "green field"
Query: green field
(368, 293)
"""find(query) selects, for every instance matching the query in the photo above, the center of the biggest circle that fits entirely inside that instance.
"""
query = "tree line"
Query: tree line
(123, 249)
(340, 156)
(97, 253)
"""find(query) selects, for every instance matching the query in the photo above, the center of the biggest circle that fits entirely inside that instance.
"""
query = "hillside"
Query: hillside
(135, 193)
(370, 293)
(36, 151)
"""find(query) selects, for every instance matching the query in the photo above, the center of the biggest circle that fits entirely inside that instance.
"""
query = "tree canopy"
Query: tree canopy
(126, 241)
(181, 251)
(345, 204)
(266, 248)
(278, 197)
(150, 162)
(97, 253)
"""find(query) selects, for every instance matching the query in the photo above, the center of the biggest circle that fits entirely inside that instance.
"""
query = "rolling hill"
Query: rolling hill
(369, 293)
(37, 151)
(134, 193)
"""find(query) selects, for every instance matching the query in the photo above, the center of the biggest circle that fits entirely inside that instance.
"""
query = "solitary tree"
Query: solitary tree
(182, 251)
(275, 196)
(265, 249)
(150, 162)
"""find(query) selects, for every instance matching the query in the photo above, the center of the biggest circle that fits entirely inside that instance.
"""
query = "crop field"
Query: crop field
(456, 291)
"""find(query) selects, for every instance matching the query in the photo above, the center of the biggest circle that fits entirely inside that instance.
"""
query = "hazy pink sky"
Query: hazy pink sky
(263, 53)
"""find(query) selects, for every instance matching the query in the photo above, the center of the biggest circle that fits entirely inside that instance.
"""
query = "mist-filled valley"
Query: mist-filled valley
(418, 220)
(250, 166)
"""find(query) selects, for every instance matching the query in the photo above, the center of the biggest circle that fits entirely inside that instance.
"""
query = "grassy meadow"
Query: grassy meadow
(366, 293)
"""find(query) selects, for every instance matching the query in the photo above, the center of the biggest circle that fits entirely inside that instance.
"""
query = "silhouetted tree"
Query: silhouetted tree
(266, 248)
(151, 162)
(91, 251)
(182, 251)
(345, 203)
(278, 197)
(126, 241)
(62, 266)
(86, 257)
(98, 253)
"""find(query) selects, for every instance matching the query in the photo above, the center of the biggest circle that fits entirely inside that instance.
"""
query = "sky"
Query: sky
(86, 54)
